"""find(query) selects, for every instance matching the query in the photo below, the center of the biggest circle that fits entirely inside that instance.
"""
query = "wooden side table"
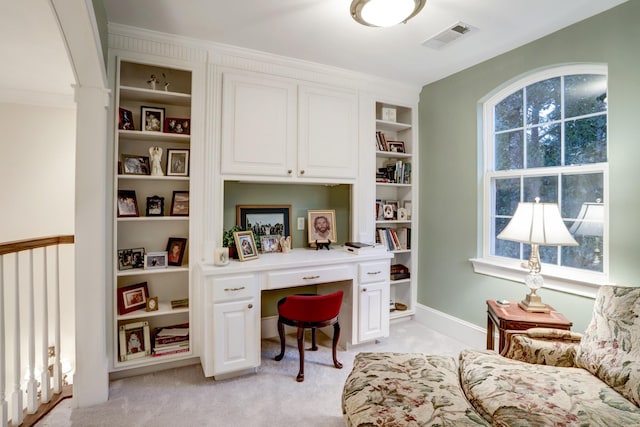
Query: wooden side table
(512, 317)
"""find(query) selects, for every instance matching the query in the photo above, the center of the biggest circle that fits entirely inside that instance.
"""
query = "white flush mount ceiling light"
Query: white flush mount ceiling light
(385, 13)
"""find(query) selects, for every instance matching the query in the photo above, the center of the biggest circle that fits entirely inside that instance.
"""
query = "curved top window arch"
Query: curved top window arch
(545, 135)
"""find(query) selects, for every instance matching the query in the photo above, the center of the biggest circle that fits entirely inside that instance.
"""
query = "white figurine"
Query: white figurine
(153, 80)
(285, 244)
(156, 155)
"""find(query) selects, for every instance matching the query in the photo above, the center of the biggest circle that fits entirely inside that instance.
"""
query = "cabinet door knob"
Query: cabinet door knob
(250, 306)
(364, 289)
(289, 171)
(302, 172)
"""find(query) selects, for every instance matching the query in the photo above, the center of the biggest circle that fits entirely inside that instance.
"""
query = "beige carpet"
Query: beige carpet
(272, 397)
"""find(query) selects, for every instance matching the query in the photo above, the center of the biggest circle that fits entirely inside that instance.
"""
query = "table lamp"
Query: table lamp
(537, 224)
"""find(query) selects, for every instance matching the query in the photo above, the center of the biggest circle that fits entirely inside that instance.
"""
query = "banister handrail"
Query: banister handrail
(39, 242)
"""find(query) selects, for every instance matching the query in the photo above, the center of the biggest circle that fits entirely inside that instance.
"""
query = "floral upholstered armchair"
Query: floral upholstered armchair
(567, 378)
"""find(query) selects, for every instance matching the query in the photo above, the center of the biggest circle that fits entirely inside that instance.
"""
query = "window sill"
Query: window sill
(566, 280)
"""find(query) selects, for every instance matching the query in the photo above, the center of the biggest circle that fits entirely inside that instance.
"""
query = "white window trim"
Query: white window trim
(564, 279)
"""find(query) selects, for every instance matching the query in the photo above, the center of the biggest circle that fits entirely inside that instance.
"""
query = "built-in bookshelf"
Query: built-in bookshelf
(395, 200)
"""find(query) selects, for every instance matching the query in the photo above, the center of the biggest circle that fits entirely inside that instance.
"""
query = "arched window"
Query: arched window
(545, 136)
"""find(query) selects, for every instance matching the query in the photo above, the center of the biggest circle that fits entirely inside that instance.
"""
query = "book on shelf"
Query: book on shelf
(357, 248)
(174, 351)
(395, 172)
(389, 239)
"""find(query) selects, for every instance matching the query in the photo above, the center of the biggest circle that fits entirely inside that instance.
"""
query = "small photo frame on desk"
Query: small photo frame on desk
(265, 220)
(245, 245)
(135, 341)
(152, 119)
(322, 226)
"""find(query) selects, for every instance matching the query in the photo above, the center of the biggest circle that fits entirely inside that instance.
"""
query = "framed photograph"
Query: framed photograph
(407, 206)
(135, 341)
(265, 220)
(245, 245)
(137, 258)
(127, 203)
(322, 226)
(176, 125)
(135, 165)
(402, 214)
(125, 259)
(155, 206)
(177, 162)
(152, 119)
(270, 243)
(388, 211)
(396, 146)
(379, 210)
(394, 207)
(125, 120)
(132, 297)
(176, 247)
(155, 260)
(180, 203)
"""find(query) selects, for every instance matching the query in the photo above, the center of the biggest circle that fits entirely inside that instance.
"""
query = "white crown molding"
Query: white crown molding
(28, 97)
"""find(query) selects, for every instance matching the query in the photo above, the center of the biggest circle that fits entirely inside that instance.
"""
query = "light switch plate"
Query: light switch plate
(301, 223)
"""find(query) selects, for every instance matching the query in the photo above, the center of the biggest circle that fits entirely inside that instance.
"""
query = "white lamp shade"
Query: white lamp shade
(538, 223)
(384, 13)
(590, 220)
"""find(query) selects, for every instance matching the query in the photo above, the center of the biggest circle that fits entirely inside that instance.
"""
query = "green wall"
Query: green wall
(449, 156)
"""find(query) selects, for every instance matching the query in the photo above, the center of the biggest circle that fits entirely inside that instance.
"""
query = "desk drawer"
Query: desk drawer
(234, 287)
(307, 276)
(370, 272)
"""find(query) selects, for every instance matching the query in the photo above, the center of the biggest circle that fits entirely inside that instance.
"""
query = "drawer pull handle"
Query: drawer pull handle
(250, 305)
(234, 289)
(310, 277)
(374, 272)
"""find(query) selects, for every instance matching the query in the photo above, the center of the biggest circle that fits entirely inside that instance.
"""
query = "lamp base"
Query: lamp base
(533, 304)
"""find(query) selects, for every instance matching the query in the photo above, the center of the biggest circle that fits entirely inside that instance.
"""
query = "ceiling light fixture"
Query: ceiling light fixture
(385, 13)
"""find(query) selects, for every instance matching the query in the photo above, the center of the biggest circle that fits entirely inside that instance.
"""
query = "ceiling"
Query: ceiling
(320, 31)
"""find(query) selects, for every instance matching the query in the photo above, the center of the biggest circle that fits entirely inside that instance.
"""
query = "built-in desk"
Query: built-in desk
(231, 300)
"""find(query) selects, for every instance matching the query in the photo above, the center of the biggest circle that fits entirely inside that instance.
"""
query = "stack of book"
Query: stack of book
(171, 340)
(396, 171)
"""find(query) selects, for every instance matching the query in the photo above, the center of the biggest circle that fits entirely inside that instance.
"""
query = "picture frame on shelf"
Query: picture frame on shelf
(127, 203)
(132, 297)
(246, 245)
(152, 304)
(396, 146)
(180, 203)
(125, 259)
(137, 258)
(265, 220)
(125, 119)
(155, 260)
(379, 210)
(176, 247)
(155, 206)
(408, 206)
(321, 226)
(388, 212)
(177, 162)
(177, 125)
(402, 214)
(135, 341)
(270, 243)
(394, 205)
(388, 114)
(152, 119)
(135, 165)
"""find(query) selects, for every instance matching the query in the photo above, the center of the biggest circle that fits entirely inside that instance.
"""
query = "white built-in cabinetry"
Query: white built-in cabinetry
(397, 188)
(145, 232)
(276, 127)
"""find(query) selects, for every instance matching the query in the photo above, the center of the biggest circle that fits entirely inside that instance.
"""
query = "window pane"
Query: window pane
(543, 101)
(587, 256)
(585, 94)
(543, 146)
(508, 113)
(579, 189)
(548, 254)
(545, 187)
(504, 248)
(509, 151)
(586, 141)
(507, 196)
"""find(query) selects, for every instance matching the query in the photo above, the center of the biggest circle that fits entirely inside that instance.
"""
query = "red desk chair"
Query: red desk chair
(309, 311)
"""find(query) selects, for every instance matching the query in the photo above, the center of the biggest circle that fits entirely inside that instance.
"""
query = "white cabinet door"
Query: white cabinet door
(236, 336)
(373, 314)
(328, 132)
(258, 125)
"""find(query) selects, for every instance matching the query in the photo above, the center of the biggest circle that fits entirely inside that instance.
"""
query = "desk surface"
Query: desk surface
(297, 258)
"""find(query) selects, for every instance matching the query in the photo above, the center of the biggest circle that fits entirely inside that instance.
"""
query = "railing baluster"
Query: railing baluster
(57, 365)
(45, 380)
(4, 406)
(32, 384)
(16, 397)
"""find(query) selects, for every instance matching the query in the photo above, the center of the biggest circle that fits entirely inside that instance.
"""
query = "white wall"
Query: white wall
(37, 171)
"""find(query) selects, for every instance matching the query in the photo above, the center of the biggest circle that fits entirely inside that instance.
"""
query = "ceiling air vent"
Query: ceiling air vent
(445, 37)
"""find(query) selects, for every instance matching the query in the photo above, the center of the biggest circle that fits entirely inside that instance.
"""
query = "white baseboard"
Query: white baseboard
(467, 333)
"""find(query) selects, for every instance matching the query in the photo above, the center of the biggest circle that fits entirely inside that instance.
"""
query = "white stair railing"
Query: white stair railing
(27, 295)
